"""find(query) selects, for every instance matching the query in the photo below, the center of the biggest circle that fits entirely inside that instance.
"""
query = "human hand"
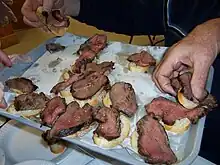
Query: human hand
(3, 104)
(66, 8)
(4, 59)
(197, 52)
(6, 15)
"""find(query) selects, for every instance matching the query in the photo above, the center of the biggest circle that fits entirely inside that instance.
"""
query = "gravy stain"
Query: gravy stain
(54, 63)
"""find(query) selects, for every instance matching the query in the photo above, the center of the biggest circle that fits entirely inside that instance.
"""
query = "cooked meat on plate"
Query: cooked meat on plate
(140, 62)
(54, 108)
(89, 50)
(122, 97)
(109, 120)
(152, 142)
(21, 85)
(86, 88)
(74, 119)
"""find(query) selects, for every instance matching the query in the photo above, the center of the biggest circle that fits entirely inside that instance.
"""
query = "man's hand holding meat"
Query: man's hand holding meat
(197, 51)
(31, 18)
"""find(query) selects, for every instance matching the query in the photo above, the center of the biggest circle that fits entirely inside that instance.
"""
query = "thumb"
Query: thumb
(198, 81)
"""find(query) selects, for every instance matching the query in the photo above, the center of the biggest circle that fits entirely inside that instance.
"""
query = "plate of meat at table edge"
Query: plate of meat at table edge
(106, 99)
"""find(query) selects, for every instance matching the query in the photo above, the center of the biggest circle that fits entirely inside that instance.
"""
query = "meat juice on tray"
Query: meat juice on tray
(86, 102)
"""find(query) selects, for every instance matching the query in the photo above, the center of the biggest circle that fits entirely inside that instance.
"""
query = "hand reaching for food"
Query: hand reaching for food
(50, 15)
(196, 52)
(7, 14)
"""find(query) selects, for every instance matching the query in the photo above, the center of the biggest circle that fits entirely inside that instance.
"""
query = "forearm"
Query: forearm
(208, 34)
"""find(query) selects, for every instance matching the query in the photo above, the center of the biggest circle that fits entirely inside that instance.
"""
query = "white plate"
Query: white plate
(21, 143)
(36, 162)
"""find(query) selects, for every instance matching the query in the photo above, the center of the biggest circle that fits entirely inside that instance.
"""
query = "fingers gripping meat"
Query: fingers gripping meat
(123, 98)
(153, 142)
(54, 108)
(109, 120)
(182, 86)
(183, 81)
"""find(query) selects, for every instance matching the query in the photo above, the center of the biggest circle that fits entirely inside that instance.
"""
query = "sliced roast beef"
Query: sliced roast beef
(54, 47)
(170, 111)
(86, 57)
(103, 68)
(183, 82)
(95, 43)
(89, 50)
(64, 84)
(153, 142)
(123, 98)
(72, 121)
(30, 101)
(109, 123)
(142, 59)
(21, 84)
(86, 88)
(54, 108)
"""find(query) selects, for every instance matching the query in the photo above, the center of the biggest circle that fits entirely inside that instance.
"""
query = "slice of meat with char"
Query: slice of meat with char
(21, 84)
(170, 111)
(103, 68)
(72, 121)
(64, 84)
(123, 98)
(54, 108)
(183, 81)
(153, 142)
(86, 88)
(96, 43)
(89, 50)
(109, 123)
(86, 57)
(30, 101)
(142, 59)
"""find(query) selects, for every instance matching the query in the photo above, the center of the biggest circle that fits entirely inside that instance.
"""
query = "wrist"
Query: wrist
(208, 36)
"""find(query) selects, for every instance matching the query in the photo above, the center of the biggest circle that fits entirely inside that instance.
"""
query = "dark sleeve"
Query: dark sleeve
(129, 17)
(183, 16)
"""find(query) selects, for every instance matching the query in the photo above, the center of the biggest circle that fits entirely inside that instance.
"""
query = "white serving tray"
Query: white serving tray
(195, 134)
